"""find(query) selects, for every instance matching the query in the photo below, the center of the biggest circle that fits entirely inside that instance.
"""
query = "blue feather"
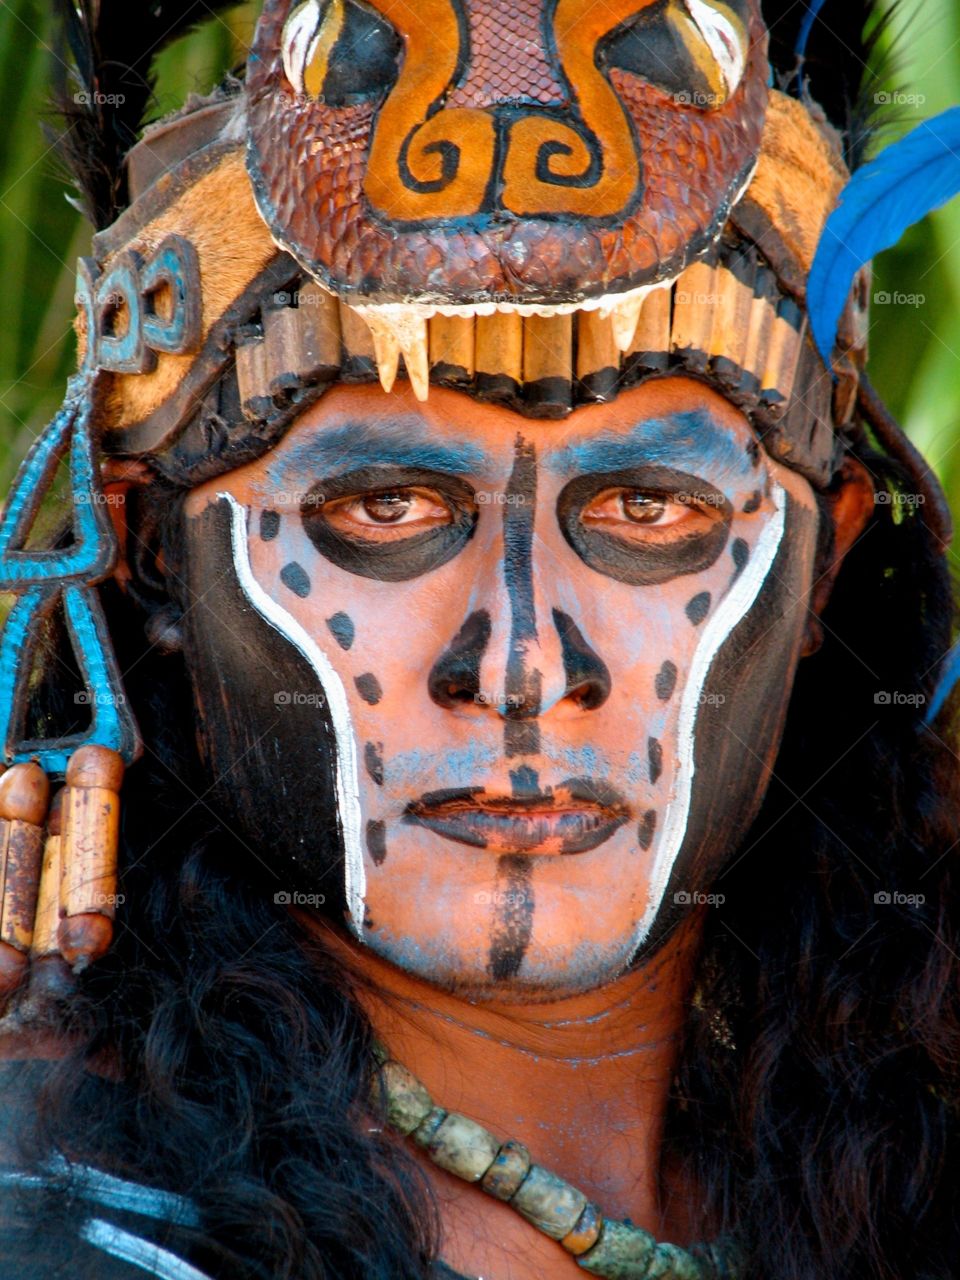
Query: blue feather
(813, 8)
(949, 676)
(900, 186)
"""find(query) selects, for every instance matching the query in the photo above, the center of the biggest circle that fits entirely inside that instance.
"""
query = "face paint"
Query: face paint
(565, 690)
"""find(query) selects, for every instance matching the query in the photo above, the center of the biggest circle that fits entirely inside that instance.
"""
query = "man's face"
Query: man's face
(539, 670)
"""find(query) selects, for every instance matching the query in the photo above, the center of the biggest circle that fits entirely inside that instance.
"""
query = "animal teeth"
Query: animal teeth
(399, 330)
(625, 316)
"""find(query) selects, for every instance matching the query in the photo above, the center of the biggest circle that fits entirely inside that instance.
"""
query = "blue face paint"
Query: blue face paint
(401, 441)
(692, 442)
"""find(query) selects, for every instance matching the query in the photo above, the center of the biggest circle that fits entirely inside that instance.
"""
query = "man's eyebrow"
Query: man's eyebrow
(399, 441)
(683, 440)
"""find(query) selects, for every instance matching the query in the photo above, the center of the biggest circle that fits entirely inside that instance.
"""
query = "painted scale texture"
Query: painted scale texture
(521, 230)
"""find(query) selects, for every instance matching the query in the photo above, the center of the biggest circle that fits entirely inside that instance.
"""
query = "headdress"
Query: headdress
(536, 203)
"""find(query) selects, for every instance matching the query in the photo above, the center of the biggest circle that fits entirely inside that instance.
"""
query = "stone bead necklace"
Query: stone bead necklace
(602, 1246)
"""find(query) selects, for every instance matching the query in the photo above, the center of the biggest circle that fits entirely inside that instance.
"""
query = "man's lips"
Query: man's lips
(577, 816)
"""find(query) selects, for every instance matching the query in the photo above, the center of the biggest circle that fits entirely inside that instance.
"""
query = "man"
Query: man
(534, 856)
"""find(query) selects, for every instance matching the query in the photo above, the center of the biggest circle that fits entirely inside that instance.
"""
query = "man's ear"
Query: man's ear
(848, 506)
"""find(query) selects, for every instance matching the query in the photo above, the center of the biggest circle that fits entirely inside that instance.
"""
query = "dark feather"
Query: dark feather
(104, 83)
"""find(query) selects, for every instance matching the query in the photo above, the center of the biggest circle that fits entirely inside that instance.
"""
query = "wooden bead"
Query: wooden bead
(585, 1232)
(548, 364)
(95, 766)
(462, 1147)
(510, 1166)
(549, 1202)
(25, 794)
(650, 349)
(452, 356)
(618, 1248)
(598, 357)
(499, 355)
(47, 919)
(84, 939)
(408, 1102)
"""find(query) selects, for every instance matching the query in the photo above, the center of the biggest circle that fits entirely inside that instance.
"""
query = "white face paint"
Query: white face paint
(731, 611)
(345, 766)
(723, 39)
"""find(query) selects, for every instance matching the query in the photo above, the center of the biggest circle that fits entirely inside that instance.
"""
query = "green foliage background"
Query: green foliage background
(915, 346)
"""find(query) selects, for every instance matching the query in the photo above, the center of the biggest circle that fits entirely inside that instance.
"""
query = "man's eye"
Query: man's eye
(616, 508)
(415, 510)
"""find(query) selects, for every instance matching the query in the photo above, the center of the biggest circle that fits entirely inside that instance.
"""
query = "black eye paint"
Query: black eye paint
(753, 502)
(373, 759)
(646, 828)
(296, 578)
(368, 687)
(698, 608)
(655, 758)
(644, 563)
(584, 669)
(342, 628)
(377, 840)
(455, 676)
(402, 558)
(513, 914)
(665, 680)
(269, 524)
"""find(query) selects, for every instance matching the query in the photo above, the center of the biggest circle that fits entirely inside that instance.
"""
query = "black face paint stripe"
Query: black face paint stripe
(513, 913)
(523, 685)
(373, 759)
(698, 608)
(521, 738)
(296, 578)
(269, 524)
(368, 687)
(655, 758)
(377, 840)
(342, 628)
(753, 502)
(455, 676)
(584, 669)
(524, 782)
(666, 680)
(646, 828)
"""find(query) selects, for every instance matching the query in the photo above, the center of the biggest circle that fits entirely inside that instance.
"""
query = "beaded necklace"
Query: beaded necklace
(602, 1246)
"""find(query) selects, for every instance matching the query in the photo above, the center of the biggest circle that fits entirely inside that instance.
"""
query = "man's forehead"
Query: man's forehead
(332, 439)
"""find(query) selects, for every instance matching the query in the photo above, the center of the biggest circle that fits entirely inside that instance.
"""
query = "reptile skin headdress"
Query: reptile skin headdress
(538, 202)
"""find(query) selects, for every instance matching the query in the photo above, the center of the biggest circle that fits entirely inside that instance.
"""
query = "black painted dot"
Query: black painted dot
(377, 840)
(698, 608)
(373, 759)
(341, 625)
(740, 550)
(368, 687)
(295, 577)
(648, 824)
(655, 756)
(753, 451)
(666, 680)
(753, 502)
(269, 524)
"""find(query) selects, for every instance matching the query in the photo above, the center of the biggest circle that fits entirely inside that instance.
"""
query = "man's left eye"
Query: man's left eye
(654, 510)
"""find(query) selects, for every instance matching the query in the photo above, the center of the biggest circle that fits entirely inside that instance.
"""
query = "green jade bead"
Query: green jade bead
(551, 1204)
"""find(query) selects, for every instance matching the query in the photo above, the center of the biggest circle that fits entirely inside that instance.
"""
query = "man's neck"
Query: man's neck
(583, 1081)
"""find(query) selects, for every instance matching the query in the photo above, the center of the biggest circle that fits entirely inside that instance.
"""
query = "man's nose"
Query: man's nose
(518, 652)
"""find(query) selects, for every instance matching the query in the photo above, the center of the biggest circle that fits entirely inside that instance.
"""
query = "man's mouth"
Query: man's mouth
(575, 816)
